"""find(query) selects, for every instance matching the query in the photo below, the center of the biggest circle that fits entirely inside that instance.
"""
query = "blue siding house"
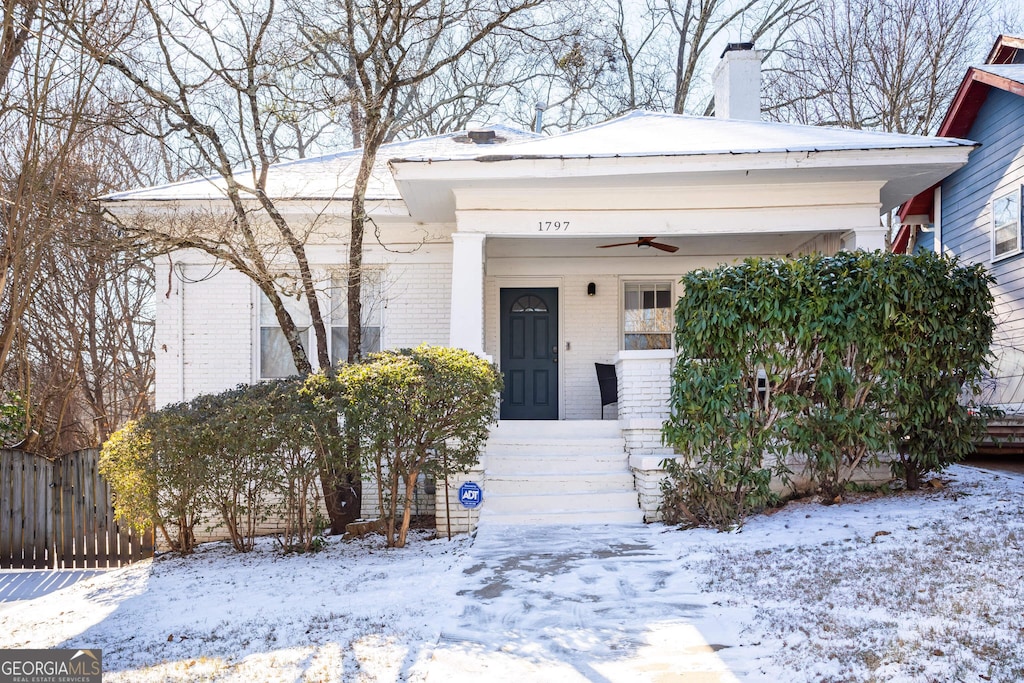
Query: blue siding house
(975, 213)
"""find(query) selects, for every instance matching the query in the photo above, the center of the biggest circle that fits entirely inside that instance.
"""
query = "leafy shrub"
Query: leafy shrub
(245, 454)
(940, 327)
(422, 410)
(833, 359)
(126, 464)
(12, 417)
(157, 473)
(234, 434)
(725, 440)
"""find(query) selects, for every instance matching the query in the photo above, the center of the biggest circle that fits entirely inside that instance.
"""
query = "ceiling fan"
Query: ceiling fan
(643, 242)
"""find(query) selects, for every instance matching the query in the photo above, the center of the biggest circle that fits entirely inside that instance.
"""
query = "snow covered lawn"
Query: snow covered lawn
(913, 587)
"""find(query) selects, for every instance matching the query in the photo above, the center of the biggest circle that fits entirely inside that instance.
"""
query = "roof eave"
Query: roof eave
(524, 166)
(963, 111)
(1004, 49)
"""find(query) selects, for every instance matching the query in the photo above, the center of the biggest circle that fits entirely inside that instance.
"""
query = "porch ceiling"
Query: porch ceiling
(771, 244)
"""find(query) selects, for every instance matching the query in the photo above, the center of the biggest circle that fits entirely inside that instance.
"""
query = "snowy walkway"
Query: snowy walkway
(590, 603)
(28, 584)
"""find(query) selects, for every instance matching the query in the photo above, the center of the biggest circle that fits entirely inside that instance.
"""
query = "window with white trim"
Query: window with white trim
(275, 355)
(372, 313)
(647, 316)
(1006, 224)
(275, 358)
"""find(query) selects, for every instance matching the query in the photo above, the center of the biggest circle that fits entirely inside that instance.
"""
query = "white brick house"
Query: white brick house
(500, 246)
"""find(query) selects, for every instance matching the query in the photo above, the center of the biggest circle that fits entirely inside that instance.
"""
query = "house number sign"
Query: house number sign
(552, 226)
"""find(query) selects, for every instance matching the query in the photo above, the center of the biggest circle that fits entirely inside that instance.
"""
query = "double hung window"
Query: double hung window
(275, 358)
(372, 314)
(1006, 224)
(647, 315)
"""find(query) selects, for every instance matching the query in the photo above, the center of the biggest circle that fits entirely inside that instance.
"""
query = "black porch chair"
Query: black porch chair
(608, 383)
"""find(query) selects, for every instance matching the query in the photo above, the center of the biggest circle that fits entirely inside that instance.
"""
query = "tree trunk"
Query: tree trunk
(410, 491)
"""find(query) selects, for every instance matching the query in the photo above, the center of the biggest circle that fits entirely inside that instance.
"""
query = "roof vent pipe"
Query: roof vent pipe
(737, 81)
(538, 124)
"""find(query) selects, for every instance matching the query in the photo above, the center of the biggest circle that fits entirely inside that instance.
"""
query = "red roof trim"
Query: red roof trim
(920, 204)
(1004, 49)
(962, 113)
(899, 245)
(966, 104)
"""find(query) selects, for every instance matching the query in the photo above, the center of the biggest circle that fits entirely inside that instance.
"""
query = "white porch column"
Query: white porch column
(865, 239)
(467, 319)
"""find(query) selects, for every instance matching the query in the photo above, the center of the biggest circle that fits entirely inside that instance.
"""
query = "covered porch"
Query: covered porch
(567, 251)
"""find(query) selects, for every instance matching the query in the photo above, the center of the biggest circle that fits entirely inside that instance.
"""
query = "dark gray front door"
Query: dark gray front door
(529, 353)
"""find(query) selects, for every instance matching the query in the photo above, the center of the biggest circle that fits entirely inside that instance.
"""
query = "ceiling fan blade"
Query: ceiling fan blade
(623, 244)
(670, 248)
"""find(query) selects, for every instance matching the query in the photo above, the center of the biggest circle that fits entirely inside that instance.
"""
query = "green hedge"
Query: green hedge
(835, 360)
(244, 455)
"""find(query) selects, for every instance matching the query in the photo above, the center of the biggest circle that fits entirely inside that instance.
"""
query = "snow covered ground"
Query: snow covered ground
(912, 587)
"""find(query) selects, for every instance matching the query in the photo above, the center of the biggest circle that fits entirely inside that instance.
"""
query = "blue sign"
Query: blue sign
(471, 495)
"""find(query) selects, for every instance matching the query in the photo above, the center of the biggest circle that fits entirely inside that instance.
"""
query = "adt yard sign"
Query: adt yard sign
(471, 495)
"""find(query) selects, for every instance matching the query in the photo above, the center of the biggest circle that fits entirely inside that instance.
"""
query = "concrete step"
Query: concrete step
(590, 501)
(568, 465)
(625, 516)
(520, 483)
(558, 472)
(553, 446)
(555, 429)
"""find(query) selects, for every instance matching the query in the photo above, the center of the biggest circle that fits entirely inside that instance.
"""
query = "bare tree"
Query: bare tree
(391, 50)
(49, 163)
(889, 66)
(620, 55)
(235, 87)
(698, 25)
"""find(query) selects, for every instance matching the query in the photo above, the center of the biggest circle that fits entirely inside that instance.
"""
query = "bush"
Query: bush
(422, 410)
(835, 360)
(126, 463)
(246, 454)
(940, 327)
(157, 473)
(12, 417)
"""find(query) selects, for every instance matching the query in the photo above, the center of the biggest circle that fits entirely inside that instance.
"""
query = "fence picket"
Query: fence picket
(89, 513)
(40, 500)
(18, 503)
(6, 509)
(60, 515)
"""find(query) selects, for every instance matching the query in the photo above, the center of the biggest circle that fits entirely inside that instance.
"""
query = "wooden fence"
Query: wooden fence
(59, 514)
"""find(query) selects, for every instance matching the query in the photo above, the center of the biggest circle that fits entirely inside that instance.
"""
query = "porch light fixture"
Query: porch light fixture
(591, 289)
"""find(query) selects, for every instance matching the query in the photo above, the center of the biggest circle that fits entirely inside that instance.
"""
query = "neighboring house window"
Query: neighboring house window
(373, 305)
(1006, 224)
(275, 356)
(647, 320)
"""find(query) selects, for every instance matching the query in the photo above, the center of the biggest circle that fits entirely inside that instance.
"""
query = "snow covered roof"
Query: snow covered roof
(331, 176)
(1010, 72)
(644, 133)
(645, 149)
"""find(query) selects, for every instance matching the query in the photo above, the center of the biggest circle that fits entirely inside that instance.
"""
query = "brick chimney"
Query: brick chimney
(738, 83)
